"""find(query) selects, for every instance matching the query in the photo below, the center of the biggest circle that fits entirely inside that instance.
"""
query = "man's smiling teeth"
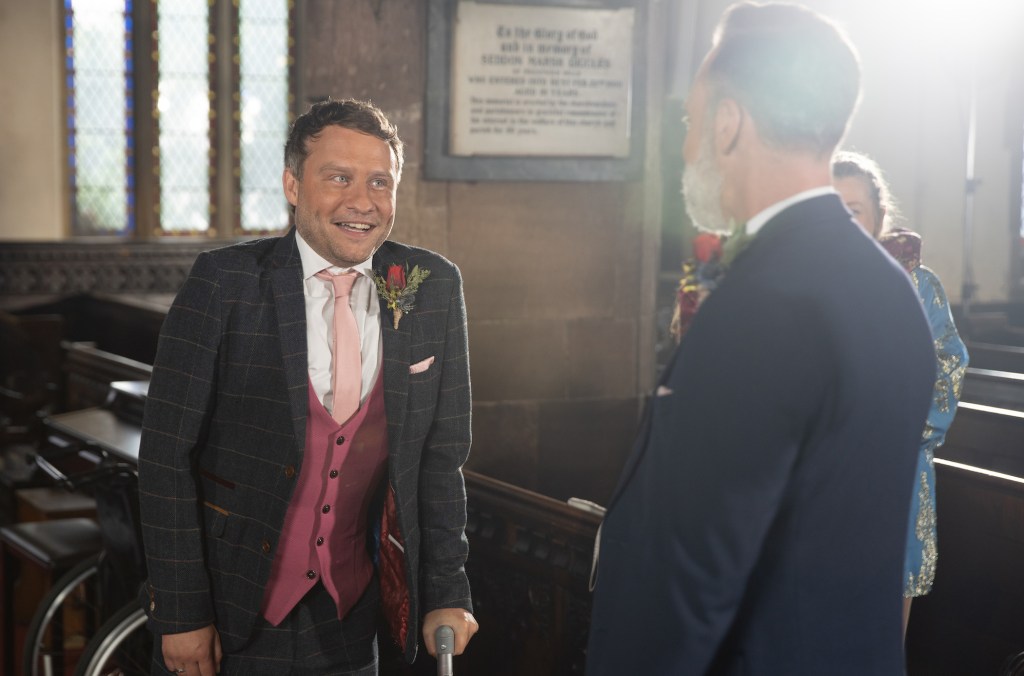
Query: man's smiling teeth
(362, 227)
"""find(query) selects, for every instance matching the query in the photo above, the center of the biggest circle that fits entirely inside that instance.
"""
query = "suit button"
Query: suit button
(311, 574)
(334, 474)
(319, 541)
(326, 509)
(265, 546)
(339, 440)
(289, 471)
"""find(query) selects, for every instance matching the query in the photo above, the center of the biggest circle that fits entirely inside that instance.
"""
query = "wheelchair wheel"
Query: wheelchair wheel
(63, 623)
(122, 646)
(1013, 666)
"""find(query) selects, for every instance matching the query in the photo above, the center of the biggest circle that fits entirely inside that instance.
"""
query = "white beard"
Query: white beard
(702, 191)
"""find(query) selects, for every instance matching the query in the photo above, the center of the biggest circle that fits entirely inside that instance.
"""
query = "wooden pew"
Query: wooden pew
(90, 341)
(529, 566)
(973, 620)
(1002, 389)
(90, 370)
(996, 357)
(30, 357)
(988, 437)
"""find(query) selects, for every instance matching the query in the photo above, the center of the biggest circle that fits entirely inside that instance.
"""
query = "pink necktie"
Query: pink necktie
(347, 381)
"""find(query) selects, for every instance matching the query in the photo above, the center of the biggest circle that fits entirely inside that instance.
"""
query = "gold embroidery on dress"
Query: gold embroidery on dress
(929, 449)
(951, 358)
(941, 395)
(921, 583)
(957, 377)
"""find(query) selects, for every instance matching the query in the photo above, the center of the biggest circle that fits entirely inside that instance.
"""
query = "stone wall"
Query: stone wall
(558, 288)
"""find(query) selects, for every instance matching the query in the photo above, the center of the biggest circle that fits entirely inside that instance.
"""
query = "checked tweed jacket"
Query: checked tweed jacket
(224, 431)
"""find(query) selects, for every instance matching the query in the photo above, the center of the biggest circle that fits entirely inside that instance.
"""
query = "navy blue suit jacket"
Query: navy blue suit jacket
(760, 522)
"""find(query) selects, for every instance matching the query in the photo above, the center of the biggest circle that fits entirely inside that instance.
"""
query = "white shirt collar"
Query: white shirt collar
(758, 221)
(312, 262)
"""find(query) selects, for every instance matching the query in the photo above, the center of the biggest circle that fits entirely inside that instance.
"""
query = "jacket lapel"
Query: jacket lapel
(396, 347)
(290, 308)
(813, 210)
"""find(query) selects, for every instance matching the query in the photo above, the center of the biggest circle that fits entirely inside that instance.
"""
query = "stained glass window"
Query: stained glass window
(197, 174)
(264, 65)
(98, 66)
(183, 114)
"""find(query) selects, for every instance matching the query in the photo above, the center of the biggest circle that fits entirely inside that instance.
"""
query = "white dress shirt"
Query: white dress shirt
(319, 296)
(757, 222)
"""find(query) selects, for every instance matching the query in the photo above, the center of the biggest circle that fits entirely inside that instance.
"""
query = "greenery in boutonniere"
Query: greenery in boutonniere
(398, 287)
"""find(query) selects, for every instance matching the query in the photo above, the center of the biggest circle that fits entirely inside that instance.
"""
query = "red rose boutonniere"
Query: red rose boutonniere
(713, 253)
(398, 287)
(701, 275)
(707, 247)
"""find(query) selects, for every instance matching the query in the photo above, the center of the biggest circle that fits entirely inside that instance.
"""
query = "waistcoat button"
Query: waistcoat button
(311, 574)
(327, 508)
(334, 474)
(319, 541)
(339, 441)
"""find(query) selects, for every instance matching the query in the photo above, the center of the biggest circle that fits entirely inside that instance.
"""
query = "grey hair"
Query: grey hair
(793, 70)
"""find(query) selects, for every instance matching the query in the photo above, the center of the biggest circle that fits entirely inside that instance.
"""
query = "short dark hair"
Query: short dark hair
(792, 69)
(361, 116)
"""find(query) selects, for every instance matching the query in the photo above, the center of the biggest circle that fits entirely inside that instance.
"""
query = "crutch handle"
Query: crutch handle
(444, 640)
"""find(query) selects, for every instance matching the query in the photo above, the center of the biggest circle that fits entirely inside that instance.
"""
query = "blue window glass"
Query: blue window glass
(100, 152)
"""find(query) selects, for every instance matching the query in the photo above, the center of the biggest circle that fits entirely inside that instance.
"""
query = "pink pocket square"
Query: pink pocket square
(421, 366)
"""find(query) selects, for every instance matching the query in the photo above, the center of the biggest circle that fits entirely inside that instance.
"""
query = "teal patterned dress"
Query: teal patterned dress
(951, 355)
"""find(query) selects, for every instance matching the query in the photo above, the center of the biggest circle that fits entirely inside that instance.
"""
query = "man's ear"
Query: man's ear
(728, 125)
(291, 187)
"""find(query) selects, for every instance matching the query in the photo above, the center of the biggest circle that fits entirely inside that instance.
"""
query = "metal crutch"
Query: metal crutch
(444, 639)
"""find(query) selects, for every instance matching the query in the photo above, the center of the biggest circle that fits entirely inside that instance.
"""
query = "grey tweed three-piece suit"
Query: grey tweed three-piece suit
(225, 424)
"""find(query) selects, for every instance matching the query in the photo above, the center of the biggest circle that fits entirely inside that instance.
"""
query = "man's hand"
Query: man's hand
(196, 652)
(462, 621)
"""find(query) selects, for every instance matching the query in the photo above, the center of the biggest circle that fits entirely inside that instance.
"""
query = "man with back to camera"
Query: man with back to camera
(758, 526)
(282, 474)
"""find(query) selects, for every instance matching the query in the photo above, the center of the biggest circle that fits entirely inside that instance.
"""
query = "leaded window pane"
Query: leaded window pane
(263, 64)
(183, 114)
(99, 67)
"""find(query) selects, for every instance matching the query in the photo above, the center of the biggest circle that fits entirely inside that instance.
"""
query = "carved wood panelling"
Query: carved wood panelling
(528, 567)
(62, 268)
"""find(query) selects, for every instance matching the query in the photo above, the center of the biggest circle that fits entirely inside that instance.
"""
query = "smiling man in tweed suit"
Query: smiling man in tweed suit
(273, 531)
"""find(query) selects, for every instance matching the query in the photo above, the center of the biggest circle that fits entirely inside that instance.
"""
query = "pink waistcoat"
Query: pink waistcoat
(324, 532)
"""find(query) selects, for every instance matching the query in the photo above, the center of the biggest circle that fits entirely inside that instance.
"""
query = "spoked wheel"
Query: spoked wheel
(64, 622)
(122, 646)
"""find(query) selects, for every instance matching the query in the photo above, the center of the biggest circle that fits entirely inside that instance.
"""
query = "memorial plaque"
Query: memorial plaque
(541, 81)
